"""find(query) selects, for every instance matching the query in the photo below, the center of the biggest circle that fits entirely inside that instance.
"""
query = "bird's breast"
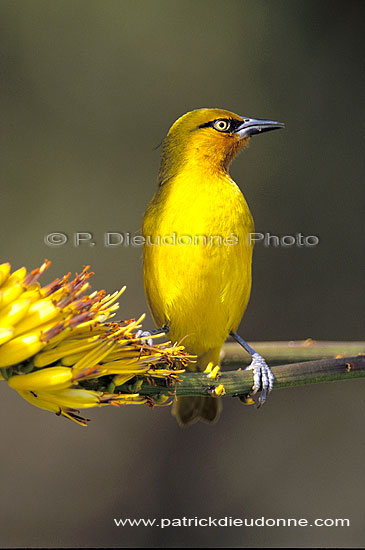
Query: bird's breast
(192, 204)
(197, 257)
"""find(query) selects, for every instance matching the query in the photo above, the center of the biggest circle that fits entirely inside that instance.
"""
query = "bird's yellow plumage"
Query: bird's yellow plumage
(197, 254)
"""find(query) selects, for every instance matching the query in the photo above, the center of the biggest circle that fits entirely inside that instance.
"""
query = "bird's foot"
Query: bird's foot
(262, 377)
(145, 337)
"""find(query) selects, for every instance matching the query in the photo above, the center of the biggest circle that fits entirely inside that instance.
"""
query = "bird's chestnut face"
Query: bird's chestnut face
(222, 133)
(206, 136)
(209, 137)
(214, 136)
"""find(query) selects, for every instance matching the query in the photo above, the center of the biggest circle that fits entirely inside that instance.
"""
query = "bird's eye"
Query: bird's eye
(221, 125)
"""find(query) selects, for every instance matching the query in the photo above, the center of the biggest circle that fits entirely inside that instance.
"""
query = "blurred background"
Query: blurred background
(88, 90)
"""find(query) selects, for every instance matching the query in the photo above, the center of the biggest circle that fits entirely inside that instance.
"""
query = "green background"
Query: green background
(88, 89)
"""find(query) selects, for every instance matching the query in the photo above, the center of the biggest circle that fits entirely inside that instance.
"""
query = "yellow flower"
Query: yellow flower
(60, 351)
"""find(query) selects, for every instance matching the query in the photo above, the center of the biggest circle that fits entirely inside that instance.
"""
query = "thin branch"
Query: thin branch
(239, 382)
(290, 351)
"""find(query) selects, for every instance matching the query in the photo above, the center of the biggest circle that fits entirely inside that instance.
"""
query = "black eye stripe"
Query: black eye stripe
(233, 124)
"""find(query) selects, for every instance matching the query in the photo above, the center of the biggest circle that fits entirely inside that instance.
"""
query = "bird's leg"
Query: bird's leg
(146, 334)
(262, 376)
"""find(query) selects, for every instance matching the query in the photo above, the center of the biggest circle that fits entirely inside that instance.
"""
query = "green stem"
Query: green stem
(291, 351)
(239, 382)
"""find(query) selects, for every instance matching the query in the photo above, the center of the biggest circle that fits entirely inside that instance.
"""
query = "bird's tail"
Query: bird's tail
(189, 410)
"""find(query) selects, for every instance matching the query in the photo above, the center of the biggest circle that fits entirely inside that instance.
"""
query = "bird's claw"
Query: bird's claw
(262, 377)
(145, 336)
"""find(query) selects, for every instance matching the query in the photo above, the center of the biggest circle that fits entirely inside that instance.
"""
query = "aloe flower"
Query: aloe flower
(61, 352)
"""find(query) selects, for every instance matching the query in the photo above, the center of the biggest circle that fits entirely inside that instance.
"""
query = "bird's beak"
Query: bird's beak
(251, 126)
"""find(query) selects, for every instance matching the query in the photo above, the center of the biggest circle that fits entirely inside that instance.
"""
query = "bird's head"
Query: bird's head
(209, 139)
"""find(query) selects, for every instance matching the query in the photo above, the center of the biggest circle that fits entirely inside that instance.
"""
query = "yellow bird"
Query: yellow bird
(197, 248)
